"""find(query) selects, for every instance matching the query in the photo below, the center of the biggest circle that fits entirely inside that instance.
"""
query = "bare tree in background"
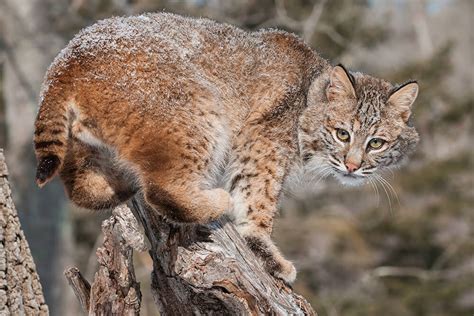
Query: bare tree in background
(30, 44)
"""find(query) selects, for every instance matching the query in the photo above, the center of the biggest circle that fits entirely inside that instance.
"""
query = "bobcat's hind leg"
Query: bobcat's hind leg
(175, 164)
(91, 178)
(183, 201)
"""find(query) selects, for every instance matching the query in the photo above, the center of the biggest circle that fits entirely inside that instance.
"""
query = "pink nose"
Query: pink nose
(351, 167)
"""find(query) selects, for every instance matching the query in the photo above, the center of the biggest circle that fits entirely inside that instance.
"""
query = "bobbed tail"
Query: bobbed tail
(47, 169)
(51, 135)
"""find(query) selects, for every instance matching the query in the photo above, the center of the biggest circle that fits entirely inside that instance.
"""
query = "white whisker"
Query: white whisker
(376, 190)
(307, 176)
(377, 178)
(391, 188)
(324, 175)
(318, 175)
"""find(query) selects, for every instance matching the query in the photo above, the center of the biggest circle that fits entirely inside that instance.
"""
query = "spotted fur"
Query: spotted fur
(371, 108)
(203, 118)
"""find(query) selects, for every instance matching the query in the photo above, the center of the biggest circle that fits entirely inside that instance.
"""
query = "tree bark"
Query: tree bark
(20, 290)
(30, 44)
(114, 290)
(209, 269)
(197, 269)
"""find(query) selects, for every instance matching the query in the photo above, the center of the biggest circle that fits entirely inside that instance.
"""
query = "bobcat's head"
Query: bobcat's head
(356, 125)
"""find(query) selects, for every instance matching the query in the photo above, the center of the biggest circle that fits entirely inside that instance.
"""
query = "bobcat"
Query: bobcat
(172, 106)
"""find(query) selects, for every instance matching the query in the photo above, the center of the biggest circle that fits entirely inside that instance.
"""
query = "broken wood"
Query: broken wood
(114, 290)
(208, 269)
(80, 286)
(197, 269)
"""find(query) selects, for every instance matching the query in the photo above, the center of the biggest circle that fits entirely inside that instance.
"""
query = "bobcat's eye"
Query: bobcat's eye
(343, 135)
(376, 143)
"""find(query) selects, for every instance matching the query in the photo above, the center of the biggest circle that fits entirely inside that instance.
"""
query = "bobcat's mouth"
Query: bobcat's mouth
(349, 179)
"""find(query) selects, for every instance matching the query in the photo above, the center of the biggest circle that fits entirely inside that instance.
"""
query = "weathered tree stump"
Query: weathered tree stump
(197, 269)
(210, 270)
(20, 289)
(114, 290)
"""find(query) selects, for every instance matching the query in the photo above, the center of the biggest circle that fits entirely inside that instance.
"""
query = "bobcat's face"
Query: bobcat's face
(359, 127)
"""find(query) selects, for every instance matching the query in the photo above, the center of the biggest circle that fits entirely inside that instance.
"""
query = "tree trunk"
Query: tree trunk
(20, 290)
(196, 270)
(30, 44)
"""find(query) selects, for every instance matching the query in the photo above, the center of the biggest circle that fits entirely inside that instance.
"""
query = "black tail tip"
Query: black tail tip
(46, 170)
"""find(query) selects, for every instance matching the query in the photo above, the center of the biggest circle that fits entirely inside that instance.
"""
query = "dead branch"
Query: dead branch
(80, 286)
(196, 270)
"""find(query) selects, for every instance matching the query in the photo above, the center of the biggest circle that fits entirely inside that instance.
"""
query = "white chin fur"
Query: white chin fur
(348, 181)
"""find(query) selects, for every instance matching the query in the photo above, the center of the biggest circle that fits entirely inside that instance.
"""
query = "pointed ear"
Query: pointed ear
(340, 85)
(403, 97)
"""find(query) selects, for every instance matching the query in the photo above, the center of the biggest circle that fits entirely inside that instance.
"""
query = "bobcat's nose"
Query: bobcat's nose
(351, 167)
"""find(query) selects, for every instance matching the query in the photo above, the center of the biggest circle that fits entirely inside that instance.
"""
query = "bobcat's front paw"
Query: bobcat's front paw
(274, 261)
(286, 271)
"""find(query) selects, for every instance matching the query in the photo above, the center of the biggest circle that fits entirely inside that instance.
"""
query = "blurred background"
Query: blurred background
(403, 248)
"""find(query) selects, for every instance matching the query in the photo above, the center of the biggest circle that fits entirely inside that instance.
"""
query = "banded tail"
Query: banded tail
(51, 135)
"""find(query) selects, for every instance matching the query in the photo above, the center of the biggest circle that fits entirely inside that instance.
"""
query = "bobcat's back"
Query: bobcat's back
(125, 76)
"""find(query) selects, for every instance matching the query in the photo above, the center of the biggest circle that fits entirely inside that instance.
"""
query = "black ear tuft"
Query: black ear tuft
(402, 98)
(47, 167)
(351, 77)
(398, 87)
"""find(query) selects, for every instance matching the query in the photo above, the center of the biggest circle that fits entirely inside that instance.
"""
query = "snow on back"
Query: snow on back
(181, 49)
(166, 36)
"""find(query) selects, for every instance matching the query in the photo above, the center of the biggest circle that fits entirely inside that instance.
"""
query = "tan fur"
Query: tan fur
(165, 104)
